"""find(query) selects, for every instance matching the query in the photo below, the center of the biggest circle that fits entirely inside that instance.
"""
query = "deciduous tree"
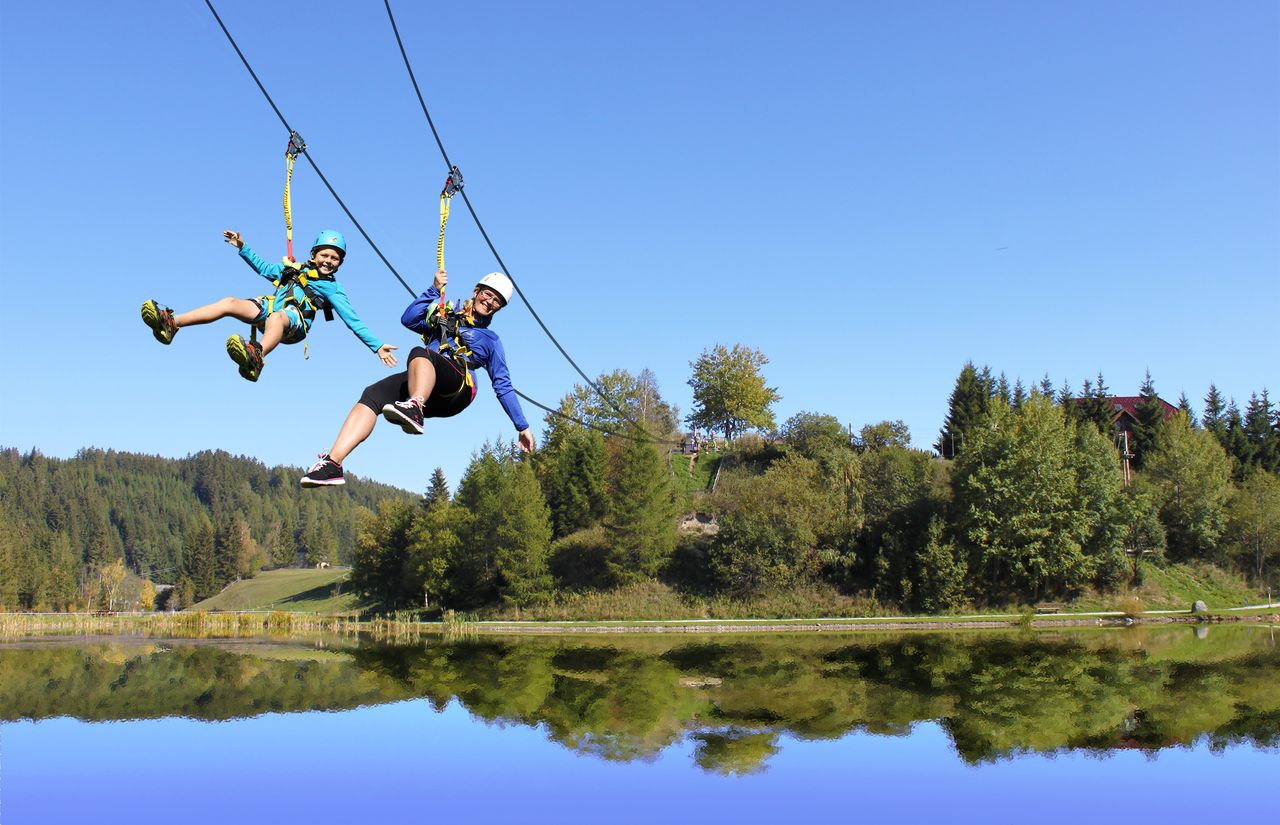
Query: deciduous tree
(1190, 479)
(729, 391)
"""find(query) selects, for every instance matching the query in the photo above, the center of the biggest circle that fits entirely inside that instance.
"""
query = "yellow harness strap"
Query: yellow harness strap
(290, 154)
(452, 184)
(445, 197)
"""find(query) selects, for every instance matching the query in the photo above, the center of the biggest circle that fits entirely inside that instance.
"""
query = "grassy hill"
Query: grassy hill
(302, 590)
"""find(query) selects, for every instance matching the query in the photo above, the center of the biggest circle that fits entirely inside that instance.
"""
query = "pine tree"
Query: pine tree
(641, 521)
(523, 539)
(1097, 407)
(1214, 409)
(438, 492)
(969, 402)
(1066, 399)
(1019, 394)
(1150, 421)
(1258, 432)
(199, 562)
(1046, 386)
(1234, 440)
(575, 480)
(1184, 407)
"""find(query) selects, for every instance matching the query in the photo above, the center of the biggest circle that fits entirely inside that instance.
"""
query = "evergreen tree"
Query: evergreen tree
(523, 535)
(1019, 394)
(939, 584)
(473, 573)
(1184, 407)
(969, 402)
(199, 561)
(1046, 386)
(641, 519)
(1235, 441)
(1097, 407)
(575, 470)
(1002, 389)
(1264, 451)
(1150, 421)
(379, 569)
(1067, 401)
(1214, 410)
(316, 540)
(438, 492)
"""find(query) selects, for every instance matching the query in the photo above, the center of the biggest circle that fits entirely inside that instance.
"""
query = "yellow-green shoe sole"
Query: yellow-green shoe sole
(239, 352)
(151, 317)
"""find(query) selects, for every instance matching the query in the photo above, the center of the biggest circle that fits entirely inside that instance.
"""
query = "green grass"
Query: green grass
(699, 481)
(1168, 586)
(290, 590)
(1178, 585)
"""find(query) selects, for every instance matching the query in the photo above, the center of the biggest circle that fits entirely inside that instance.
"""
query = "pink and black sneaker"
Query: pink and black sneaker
(324, 473)
(405, 413)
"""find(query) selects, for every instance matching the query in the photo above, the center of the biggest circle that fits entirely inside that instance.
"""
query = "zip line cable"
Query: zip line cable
(383, 257)
(476, 218)
(305, 153)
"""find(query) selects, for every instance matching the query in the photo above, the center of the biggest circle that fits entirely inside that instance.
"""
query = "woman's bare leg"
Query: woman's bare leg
(355, 430)
(422, 379)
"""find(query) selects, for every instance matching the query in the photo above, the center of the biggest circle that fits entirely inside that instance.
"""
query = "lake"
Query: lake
(1077, 726)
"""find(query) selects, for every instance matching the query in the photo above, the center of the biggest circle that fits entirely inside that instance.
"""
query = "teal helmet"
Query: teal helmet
(331, 239)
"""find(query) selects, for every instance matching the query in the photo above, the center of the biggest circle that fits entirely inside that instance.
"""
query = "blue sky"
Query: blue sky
(869, 193)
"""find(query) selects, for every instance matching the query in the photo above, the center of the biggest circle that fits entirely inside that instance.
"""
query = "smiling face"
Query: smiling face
(487, 302)
(327, 259)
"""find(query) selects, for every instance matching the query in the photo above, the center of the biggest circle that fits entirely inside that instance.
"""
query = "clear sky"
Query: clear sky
(868, 192)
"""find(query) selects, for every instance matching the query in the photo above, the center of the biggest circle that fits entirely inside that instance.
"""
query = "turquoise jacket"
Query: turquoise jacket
(331, 291)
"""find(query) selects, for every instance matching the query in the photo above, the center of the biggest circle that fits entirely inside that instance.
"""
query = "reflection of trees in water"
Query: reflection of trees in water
(732, 698)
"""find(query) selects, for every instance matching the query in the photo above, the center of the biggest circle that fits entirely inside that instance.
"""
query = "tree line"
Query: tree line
(91, 532)
(1024, 500)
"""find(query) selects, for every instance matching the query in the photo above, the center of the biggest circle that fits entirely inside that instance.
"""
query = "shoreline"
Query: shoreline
(15, 627)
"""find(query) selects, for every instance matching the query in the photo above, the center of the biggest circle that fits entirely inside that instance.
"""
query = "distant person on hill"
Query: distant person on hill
(284, 316)
(439, 380)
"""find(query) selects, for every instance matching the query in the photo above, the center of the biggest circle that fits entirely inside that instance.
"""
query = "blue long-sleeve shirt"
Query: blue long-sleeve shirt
(486, 352)
(331, 291)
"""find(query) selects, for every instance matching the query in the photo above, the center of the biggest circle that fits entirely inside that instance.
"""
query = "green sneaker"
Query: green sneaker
(160, 319)
(247, 355)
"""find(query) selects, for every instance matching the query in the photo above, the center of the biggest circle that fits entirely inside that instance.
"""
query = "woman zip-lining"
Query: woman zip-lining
(439, 381)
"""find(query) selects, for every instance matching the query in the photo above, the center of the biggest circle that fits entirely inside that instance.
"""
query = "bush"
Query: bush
(1131, 606)
(578, 561)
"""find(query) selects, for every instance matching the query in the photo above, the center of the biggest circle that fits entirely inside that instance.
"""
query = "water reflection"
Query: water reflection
(733, 698)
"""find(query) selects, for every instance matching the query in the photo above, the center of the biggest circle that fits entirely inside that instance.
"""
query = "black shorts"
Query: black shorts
(450, 396)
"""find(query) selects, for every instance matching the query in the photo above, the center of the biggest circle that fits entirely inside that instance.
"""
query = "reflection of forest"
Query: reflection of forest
(733, 697)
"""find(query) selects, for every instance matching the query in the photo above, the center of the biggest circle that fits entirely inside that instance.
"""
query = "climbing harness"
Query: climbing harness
(443, 322)
(295, 146)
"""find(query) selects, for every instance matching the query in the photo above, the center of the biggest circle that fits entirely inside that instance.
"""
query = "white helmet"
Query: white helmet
(500, 284)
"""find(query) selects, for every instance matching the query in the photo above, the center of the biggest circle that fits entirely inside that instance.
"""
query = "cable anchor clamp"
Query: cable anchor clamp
(452, 184)
(296, 145)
